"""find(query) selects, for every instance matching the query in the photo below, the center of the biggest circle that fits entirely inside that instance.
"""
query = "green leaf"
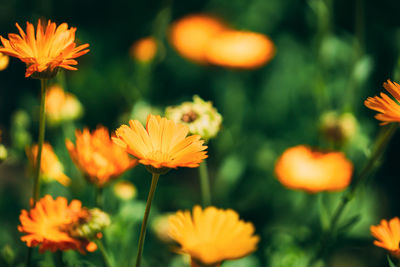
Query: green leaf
(391, 264)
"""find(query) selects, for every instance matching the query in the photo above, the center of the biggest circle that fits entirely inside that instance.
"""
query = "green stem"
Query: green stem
(106, 258)
(99, 197)
(205, 184)
(153, 186)
(58, 258)
(29, 257)
(42, 122)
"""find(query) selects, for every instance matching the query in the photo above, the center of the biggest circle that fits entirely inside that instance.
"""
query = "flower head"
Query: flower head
(48, 225)
(190, 35)
(4, 59)
(61, 106)
(125, 190)
(389, 109)
(51, 168)
(162, 145)
(388, 235)
(239, 49)
(301, 168)
(51, 48)
(212, 235)
(338, 128)
(144, 50)
(200, 116)
(98, 157)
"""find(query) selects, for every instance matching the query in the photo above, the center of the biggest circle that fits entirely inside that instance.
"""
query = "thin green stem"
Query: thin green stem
(205, 184)
(150, 197)
(29, 257)
(58, 258)
(42, 124)
(99, 197)
(106, 258)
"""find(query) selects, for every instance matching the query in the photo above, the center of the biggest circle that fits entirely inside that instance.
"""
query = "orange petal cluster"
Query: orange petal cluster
(388, 235)
(51, 47)
(50, 167)
(212, 235)
(144, 50)
(98, 157)
(163, 144)
(301, 168)
(389, 109)
(47, 224)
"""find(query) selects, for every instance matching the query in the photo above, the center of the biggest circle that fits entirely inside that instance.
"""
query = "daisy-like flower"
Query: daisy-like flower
(388, 235)
(98, 157)
(388, 108)
(239, 49)
(200, 116)
(162, 145)
(51, 168)
(301, 168)
(144, 50)
(51, 48)
(48, 225)
(212, 235)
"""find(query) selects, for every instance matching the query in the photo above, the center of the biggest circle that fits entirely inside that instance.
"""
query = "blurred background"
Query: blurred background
(329, 57)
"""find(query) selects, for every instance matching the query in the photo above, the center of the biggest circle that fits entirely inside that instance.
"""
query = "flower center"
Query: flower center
(189, 117)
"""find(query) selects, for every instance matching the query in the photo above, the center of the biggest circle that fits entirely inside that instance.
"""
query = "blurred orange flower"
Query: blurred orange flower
(388, 235)
(389, 109)
(212, 235)
(48, 223)
(301, 168)
(162, 145)
(239, 49)
(4, 59)
(190, 35)
(98, 157)
(51, 48)
(51, 168)
(144, 50)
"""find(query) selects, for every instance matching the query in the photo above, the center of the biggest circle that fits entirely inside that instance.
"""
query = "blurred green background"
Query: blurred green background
(331, 55)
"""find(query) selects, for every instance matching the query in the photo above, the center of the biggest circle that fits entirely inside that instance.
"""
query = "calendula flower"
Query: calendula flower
(50, 48)
(61, 106)
(338, 128)
(51, 168)
(90, 224)
(388, 235)
(388, 108)
(239, 49)
(301, 168)
(144, 50)
(98, 157)
(48, 225)
(125, 190)
(190, 35)
(200, 116)
(212, 235)
(162, 145)
(4, 59)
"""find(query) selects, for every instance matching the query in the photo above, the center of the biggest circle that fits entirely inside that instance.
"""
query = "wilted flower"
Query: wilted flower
(4, 59)
(388, 235)
(125, 190)
(301, 168)
(98, 157)
(51, 168)
(48, 225)
(61, 106)
(212, 235)
(144, 50)
(190, 35)
(200, 116)
(89, 224)
(239, 49)
(389, 109)
(51, 48)
(338, 128)
(162, 145)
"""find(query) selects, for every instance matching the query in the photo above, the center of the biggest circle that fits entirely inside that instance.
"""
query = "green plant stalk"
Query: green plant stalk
(99, 197)
(42, 125)
(58, 258)
(154, 181)
(205, 184)
(106, 258)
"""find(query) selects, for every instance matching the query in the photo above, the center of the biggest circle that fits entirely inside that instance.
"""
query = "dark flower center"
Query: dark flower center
(189, 117)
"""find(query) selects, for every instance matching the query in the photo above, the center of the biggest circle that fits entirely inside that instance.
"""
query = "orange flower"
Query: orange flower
(212, 235)
(301, 168)
(51, 48)
(4, 59)
(190, 35)
(48, 223)
(388, 235)
(162, 145)
(51, 168)
(144, 50)
(98, 157)
(389, 109)
(239, 49)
